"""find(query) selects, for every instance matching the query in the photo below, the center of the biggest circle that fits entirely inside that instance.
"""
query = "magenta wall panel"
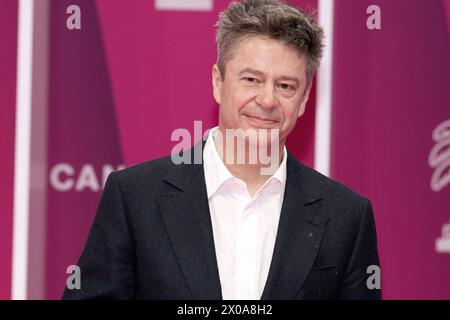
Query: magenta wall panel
(83, 137)
(8, 56)
(390, 93)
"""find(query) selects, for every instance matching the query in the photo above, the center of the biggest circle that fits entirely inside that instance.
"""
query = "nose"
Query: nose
(266, 98)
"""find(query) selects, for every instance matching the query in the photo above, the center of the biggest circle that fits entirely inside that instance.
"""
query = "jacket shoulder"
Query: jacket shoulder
(329, 188)
(146, 174)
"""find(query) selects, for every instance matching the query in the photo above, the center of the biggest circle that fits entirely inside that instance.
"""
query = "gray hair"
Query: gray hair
(273, 19)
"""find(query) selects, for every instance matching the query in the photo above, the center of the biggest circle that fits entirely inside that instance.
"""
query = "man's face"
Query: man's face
(264, 87)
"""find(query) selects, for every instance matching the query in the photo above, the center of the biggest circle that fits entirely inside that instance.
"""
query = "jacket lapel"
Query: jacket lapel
(299, 234)
(185, 212)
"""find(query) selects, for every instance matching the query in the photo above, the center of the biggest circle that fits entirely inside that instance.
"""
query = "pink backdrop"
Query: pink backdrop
(119, 87)
(8, 52)
(391, 90)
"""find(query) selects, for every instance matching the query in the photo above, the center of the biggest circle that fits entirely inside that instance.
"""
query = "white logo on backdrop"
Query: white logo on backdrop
(439, 160)
(64, 177)
(186, 5)
(443, 243)
(439, 157)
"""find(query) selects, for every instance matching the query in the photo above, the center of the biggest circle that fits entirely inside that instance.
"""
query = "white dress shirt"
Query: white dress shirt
(244, 227)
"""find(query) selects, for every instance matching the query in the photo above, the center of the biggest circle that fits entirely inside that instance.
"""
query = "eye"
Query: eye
(286, 87)
(250, 79)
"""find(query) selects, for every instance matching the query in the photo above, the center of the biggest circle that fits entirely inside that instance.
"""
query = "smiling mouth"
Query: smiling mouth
(262, 120)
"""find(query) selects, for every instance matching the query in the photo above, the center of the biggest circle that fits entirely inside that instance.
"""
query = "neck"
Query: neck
(253, 172)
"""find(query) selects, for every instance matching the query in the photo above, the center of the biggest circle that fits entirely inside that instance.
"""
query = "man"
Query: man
(224, 229)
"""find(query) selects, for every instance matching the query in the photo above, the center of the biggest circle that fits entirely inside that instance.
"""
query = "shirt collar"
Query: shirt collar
(216, 173)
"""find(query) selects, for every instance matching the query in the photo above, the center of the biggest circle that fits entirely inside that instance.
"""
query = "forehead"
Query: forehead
(270, 56)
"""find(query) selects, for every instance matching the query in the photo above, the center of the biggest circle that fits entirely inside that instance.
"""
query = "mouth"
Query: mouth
(259, 121)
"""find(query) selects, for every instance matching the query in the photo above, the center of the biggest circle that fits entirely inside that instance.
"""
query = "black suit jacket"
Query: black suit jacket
(152, 238)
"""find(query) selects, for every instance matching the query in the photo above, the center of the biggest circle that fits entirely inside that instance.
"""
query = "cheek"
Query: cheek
(289, 119)
(290, 112)
(239, 100)
(231, 108)
(232, 96)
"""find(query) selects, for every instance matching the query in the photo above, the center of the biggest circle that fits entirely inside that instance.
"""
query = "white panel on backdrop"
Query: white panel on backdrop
(322, 149)
(188, 5)
(22, 151)
(30, 192)
(443, 243)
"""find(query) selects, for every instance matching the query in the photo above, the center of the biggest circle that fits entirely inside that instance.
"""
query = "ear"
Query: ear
(305, 98)
(217, 83)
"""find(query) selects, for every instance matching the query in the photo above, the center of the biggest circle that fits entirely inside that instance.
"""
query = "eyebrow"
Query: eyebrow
(260, 73)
